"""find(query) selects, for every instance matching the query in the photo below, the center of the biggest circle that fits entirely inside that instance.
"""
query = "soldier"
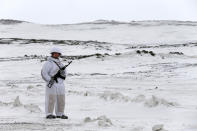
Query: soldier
(55, 90)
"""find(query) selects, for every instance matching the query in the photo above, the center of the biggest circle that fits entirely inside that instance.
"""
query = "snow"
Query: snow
(110, 86)
(147, 32)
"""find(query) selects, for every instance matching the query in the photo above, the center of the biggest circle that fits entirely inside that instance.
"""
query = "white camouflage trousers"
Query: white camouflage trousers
(55, 98)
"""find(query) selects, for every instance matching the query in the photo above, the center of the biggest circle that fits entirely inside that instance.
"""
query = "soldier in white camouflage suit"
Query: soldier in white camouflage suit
(55, 94)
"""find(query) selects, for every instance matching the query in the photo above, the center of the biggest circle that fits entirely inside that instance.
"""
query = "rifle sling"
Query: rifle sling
(57, 64)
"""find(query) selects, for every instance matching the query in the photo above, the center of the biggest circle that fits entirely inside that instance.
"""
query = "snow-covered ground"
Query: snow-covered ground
(135, 76)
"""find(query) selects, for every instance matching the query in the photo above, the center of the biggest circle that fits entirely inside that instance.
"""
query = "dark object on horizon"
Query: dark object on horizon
(10, 21)
(177, 53)
(145, 52)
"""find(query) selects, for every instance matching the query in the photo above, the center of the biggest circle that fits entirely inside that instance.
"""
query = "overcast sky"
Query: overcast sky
(74, 11)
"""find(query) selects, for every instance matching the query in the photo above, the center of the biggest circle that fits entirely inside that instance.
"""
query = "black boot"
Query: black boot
(50, 117)
(58, 116)
(62, 117)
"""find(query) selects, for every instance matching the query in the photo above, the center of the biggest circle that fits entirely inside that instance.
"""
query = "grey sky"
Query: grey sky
(74, 11)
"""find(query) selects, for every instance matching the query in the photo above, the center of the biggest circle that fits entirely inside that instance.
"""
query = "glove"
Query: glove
(51, 82)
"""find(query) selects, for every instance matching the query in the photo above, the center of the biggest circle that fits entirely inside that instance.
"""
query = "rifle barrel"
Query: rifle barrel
(67, 65)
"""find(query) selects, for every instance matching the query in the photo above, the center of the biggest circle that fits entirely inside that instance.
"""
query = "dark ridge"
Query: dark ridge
(143, 23)
(95, 44)
(97, 55)
(114, 22)
(128, 73)
(74, 74)
(91, 74)
(111, 22)
(189, 44)
(66, 42)
(25, 57)
(97, 74)
(10, 21)
(44, 58)
(163, 22)
(145, 52)
(176, 53)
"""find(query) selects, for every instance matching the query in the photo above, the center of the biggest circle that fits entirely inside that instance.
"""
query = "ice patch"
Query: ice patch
(87, 119)
(139, 98)
(17, 102)
(81, 93)
(30, 87)
(155, 101)
(21, 126)
(101, 121)
(152, 102)
(137, 129)
(158, 128)
(32, 108)
(114, 96)
(4, 103)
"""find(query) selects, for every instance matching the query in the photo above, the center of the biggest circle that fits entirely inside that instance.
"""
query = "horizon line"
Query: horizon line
(97, 20)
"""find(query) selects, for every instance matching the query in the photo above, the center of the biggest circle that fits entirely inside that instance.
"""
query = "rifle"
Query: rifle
(59, 74)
